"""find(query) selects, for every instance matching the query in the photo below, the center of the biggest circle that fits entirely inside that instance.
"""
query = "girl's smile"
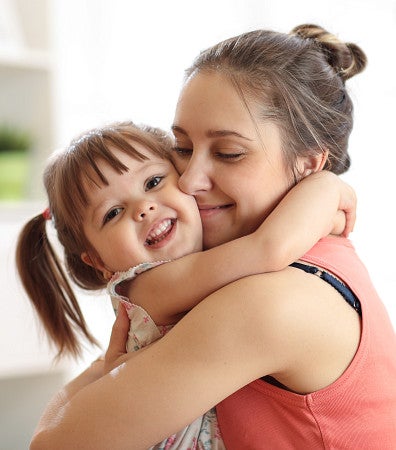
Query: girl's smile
(161, 232)
(139, 215)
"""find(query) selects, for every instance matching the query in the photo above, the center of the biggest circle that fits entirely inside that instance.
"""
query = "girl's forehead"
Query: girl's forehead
(138, 152)
(124, 161)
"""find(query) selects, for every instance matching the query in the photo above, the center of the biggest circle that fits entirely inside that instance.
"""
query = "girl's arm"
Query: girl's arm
(318, 205)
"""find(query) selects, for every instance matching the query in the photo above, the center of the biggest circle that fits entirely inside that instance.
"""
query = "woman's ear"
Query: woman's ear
(97, 263)
(312, 163)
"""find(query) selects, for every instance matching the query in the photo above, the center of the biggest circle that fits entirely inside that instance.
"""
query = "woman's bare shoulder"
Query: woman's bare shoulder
(294, 323)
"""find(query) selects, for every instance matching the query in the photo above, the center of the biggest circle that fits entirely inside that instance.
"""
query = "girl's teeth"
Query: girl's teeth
(165, 225)
(162, 228)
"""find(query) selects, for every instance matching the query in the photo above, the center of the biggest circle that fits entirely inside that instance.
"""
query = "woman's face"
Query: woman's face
(232, 164)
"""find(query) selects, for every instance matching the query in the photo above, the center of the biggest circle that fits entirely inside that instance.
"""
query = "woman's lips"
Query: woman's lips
(207, 211)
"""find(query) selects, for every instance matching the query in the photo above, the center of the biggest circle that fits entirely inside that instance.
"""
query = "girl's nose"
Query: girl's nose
(196, 177)
(143, 209)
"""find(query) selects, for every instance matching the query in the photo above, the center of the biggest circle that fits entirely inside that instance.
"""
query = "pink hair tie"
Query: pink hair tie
(47, 214)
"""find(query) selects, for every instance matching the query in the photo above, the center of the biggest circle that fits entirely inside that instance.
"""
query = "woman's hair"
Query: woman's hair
(298, 81)
(68, 174)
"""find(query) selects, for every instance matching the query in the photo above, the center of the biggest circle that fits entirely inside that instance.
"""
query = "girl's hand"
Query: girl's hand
(116, 353)
(344, 220)
(348, 202)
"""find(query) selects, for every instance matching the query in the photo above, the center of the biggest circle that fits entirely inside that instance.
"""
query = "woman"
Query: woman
(292, 360)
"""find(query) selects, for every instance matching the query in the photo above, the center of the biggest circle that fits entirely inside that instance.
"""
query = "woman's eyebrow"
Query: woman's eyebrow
(212, 133)
(177, 129)
(226, 133)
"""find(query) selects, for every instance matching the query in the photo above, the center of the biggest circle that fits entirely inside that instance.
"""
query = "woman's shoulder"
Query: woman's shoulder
(299, 318)
(288, 296)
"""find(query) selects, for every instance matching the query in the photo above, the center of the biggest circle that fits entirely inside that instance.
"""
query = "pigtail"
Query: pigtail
(48, 288)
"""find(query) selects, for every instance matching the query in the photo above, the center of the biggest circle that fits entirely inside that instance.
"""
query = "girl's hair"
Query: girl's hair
(65, 180)
(298, 81)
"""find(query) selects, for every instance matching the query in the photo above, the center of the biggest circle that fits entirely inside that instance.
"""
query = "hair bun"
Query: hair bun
(346, 58)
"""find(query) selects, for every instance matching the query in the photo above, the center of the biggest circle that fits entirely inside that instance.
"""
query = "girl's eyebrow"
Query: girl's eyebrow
(95, 209)
(212, 133)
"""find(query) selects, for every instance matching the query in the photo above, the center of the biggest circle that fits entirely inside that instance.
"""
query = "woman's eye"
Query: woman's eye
(182, 152)
(230, 156)
(111, 214)
(153, 182)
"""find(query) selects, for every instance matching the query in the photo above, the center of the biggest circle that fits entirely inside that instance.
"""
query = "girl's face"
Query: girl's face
(140, 216)
(231, 164)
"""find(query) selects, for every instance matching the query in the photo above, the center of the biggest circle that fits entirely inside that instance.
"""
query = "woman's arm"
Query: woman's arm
(163, 388)
(231, 338)
(55, 407)
(318, 205)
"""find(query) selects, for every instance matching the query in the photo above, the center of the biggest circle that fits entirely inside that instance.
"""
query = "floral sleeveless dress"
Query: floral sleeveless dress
(204, 432)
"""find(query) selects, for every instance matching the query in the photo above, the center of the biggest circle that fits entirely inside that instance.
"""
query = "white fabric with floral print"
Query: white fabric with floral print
(203, 433)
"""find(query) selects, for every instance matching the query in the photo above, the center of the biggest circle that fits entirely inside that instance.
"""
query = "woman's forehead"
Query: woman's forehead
(210, 105)
(211, 100)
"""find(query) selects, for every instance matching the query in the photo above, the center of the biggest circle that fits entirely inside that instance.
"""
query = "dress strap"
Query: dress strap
(130, 274)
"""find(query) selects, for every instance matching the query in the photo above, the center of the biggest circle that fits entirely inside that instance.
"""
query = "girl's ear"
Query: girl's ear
(312, 163)
(97, 263)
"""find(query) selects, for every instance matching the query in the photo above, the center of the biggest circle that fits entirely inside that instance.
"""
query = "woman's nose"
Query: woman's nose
(196, 177)
(143, 209)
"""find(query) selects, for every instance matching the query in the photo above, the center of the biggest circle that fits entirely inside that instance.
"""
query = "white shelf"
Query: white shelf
(25, 59)
(26, 82)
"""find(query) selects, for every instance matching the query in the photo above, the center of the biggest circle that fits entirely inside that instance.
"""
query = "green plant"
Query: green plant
(14, 139)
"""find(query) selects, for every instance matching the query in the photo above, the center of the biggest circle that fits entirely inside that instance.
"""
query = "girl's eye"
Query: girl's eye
(153, 182)
(111, 214)
(182, 152)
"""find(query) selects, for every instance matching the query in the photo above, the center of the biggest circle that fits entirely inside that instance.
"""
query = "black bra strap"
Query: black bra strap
(348, 295)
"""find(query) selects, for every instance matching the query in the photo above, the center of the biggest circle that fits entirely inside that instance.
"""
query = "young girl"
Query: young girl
(115, 203)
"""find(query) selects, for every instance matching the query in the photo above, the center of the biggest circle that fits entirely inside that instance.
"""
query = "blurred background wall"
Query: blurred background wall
(69, 65)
